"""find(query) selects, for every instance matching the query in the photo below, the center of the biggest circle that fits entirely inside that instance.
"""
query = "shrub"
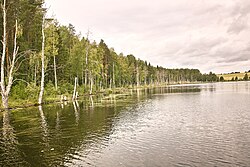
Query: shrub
(50, 89)
(18, 91)
(66, 88)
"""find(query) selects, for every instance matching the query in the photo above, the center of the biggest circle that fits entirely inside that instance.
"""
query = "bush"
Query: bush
(50, 89)
(22, 91)
(32, 91)
(66, 88)
(18, 91)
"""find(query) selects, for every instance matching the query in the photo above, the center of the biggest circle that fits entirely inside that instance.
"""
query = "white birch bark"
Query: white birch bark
(5, 90)
(40, 99)
(4, 42)
(137, 76)
(91, 84)
(54, 56)
(113, 75)
(74, 93)
(86, 60)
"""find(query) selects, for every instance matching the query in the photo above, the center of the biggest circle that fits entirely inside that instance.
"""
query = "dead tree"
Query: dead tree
(5, 89)
(74, 97)
(40, 99)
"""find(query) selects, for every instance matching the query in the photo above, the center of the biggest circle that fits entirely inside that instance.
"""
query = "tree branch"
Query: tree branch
(21, 80)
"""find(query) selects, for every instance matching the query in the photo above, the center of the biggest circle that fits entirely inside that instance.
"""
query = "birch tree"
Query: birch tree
(86, 57)
(40, 99)
(137, 74)
(74, 97)
(7, 81)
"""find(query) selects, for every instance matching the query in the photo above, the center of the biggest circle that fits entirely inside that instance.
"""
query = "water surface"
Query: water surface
(185, 125)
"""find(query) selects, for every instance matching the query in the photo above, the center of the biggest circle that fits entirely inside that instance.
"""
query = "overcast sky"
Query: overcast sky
(211, 35)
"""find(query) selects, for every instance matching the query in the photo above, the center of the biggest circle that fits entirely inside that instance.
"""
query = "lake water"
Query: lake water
(186, 125)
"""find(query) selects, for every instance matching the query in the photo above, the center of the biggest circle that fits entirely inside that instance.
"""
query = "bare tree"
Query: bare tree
(74, 97)
(86, 58)
(91, 83)
(54, 57)
(5, 90)
(40, 99)
(55, 75)
(137, 75)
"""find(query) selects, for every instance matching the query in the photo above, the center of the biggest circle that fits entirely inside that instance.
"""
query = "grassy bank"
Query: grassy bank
(230, 77)
(23, 97)
(31, 99)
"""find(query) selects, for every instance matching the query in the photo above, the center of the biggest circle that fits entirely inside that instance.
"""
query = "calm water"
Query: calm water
(191, 125)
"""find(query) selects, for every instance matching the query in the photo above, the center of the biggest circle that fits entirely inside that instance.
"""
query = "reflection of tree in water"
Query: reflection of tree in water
(44, 126)
(52, 135)
(91, 102)
(45, 149)
(76, 109)
(57, 121)
(138, 94)
(10, 155)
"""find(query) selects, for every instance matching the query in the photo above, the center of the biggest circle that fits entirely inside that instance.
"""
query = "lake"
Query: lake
(184, 125)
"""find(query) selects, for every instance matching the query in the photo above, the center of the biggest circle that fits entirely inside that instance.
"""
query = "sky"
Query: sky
(209, 35)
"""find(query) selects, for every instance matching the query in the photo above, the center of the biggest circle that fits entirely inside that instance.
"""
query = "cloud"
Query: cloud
(209, 35)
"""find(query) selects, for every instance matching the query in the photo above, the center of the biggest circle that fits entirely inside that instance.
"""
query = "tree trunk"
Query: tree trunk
(55, 72)
(91, 84)
(5, 90)
(113, 75)
(3, 56)
(35, 75)
(43, 66)
(74, 93)
(86, 60)
(86, 69)
(137, 76)
(5, 101)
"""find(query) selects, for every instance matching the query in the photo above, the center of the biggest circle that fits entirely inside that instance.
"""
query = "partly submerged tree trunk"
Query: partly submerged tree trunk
(40, 99)
(4, 42)
(5, 101)
(5, 90)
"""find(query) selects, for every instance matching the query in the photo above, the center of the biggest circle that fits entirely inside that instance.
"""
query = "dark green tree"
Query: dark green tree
(246, 78)
(222, 79)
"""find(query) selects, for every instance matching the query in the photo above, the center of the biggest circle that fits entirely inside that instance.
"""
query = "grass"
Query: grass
(228, 77)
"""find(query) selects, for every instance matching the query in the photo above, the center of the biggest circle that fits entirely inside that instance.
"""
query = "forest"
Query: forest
(35, 47)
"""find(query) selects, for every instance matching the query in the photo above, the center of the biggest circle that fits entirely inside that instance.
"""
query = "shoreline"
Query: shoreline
(22, 104)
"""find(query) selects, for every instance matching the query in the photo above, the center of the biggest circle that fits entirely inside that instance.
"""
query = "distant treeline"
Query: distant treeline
(68, 56)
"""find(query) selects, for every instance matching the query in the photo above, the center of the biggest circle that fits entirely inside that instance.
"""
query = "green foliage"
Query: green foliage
(19, 91)
(24, 92)
(50, 90)
(66, 88)
(32, 91)
(211, 77)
